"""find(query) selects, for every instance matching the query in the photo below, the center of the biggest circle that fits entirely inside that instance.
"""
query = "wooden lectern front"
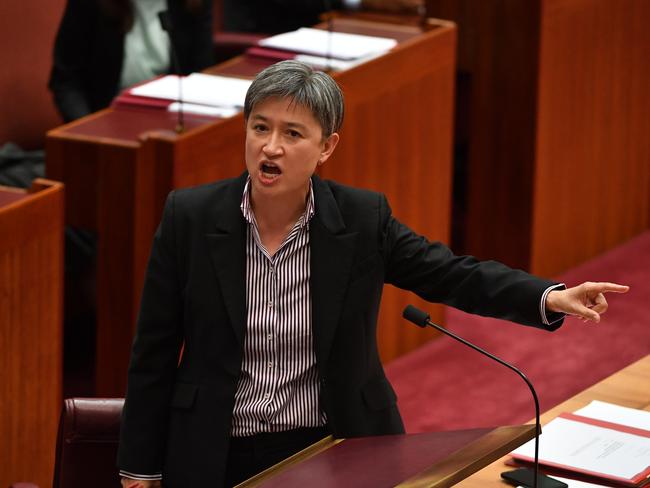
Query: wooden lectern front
(31, 330)
(432, 459)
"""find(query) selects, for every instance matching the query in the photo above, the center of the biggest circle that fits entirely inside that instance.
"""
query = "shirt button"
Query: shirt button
(270, 364)
(267, 395)
(270, 337)
(270, 304)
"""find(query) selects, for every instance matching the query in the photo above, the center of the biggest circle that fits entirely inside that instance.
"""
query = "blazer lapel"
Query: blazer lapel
(332, 252)
(228, 255)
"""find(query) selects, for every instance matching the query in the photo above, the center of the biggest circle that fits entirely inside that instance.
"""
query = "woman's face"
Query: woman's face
(284, 144)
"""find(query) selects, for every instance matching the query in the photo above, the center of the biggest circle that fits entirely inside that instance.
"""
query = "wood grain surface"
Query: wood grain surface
(31, 336)
(552, 120)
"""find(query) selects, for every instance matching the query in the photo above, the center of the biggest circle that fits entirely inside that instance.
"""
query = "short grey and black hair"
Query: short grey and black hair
(304, 86)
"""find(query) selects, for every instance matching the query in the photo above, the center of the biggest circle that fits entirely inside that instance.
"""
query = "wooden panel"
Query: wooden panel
(593, 130)
(425, 460)
(397, 139)
(31, 337)
(495, 114)
(553, 121)
(628, 388)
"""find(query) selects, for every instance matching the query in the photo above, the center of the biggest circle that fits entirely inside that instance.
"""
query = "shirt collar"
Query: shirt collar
(248, 214)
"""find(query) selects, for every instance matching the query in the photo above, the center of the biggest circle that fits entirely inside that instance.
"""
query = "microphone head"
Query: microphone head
(415, 315)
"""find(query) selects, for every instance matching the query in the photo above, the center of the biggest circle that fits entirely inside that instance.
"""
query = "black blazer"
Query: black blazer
(177, 418)
(89, 50)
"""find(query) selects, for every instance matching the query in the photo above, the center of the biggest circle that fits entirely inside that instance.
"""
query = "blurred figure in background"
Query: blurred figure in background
(104, 46)
(275, 16)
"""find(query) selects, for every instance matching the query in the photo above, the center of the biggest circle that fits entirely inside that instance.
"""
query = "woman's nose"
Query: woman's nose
(272, 145)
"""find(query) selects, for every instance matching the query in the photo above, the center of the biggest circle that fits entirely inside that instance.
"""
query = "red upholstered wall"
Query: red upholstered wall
(27, 31)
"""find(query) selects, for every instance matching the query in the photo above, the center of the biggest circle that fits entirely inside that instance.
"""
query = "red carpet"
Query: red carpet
(445, 385)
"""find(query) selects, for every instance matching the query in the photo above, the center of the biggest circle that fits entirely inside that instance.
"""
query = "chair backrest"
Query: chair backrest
(86, 450)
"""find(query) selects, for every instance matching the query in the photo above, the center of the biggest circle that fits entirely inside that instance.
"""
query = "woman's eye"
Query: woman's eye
(259, 128)
(294, 133)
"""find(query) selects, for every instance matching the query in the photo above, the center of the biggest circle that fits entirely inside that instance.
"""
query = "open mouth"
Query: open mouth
(270, 170)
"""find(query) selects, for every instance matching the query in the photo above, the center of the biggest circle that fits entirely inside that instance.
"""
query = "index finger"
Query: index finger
(611, 287)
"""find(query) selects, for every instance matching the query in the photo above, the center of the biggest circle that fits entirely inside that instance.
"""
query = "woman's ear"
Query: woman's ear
(328, 148)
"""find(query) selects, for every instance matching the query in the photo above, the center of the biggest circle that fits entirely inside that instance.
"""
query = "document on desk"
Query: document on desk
(197, 88)
(323, 43)
(574, 483)
(594, 447)
(193, 108)
(609, 412)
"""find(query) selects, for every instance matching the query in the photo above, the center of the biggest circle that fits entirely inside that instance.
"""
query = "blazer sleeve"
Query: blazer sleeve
(433, 272)
(154, 356)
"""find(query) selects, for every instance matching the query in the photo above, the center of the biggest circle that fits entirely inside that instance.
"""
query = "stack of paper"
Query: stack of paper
(575, 484)
(323, 48)
(601, 440)
(200, 93)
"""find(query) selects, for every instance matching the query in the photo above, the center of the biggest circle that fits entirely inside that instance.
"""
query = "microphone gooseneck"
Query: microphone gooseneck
(422, 319)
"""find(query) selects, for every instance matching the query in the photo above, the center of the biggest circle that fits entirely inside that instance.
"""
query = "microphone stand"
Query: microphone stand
(422, 319)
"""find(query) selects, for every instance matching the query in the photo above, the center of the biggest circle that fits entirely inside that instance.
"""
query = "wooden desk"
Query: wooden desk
(425, 460)
(119, 165)
(630, 387)
(31, 335)
(553, 122)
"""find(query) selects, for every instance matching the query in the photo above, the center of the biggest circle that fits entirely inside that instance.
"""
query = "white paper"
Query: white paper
(192, 108)
(609, 412)
(573, 483)
(320, 62)
(577, 484)
(335, 44)
(198, 88)
(591, 448)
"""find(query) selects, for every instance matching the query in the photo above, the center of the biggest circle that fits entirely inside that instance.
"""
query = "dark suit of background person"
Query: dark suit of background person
(89, 50)
(273, 16)
(276, 16)
(178, 417)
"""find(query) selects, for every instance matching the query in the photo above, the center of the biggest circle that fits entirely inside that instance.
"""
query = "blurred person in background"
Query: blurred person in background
(275, 16)
(104, 46)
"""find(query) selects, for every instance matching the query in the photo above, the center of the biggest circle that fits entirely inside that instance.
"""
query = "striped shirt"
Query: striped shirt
(278, 385)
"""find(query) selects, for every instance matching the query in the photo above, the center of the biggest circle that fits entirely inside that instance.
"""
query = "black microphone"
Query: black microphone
(422, 319)
(168, 27)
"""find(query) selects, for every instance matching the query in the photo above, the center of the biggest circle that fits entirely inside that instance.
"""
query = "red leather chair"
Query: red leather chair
(86, 450)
